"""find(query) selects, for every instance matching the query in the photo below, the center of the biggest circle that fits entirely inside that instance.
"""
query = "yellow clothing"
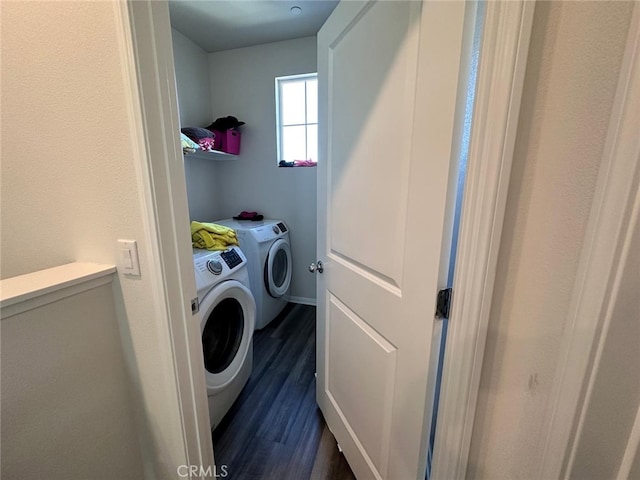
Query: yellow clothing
(212, 236)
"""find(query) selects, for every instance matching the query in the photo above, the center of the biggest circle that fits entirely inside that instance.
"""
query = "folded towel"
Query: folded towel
(196, 133)
(212, 236)
(187, 143)
(304, 163)
(207, 144)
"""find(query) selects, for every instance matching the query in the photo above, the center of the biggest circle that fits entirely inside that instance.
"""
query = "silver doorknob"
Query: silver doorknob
(316, 267)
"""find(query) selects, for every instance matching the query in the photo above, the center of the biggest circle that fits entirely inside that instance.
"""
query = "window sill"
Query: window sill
(296, 164)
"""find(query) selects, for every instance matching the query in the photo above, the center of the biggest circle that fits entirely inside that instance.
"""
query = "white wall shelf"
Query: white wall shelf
(212, 155)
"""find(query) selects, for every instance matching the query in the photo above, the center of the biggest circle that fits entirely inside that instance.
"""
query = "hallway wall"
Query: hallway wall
(70, 189)
(66, 405)
(615, 398)
(573, 66)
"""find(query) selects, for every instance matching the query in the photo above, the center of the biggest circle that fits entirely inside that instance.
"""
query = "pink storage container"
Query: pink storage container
(227, 141)
(231, 141)
(218, 139)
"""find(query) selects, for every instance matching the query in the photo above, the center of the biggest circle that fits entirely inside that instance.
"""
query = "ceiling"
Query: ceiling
(222, 25)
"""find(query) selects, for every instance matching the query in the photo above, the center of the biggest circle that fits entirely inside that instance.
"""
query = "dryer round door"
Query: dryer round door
(227, 322)
(277, 268)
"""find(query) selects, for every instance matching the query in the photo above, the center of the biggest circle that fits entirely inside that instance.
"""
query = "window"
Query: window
(297, 118)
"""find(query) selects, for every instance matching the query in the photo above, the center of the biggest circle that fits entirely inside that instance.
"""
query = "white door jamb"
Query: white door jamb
(502, 61)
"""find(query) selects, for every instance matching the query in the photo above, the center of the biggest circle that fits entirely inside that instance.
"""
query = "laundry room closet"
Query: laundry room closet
(274, 428)
(241, 82)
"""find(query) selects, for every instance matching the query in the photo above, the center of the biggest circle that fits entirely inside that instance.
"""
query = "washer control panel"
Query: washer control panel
(218, 264)
(214, 266)
(231, 258)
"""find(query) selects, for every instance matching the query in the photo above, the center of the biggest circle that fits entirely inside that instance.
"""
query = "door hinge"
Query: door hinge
(195, 306)
(444, 303)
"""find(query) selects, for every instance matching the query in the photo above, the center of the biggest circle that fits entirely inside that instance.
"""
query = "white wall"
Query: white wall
(192, 81)
(243, 85)
(66, 407)
(69, 190)
(194, 103)
(573, 66)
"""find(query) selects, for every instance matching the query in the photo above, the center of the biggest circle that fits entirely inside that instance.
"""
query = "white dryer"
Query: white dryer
(266, 244)
(227, 313)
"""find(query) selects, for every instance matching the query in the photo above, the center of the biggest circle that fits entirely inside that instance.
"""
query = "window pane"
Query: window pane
(312, 143)
(293, 143)
(312, 101)
(292, 102)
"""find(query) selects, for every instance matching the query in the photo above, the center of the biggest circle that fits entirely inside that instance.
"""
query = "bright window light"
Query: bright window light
(297, 117)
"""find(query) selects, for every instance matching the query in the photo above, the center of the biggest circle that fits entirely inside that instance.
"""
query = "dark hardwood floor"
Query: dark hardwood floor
(275, 429)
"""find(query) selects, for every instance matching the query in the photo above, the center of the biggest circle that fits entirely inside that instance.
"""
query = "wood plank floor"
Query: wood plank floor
(275, 429)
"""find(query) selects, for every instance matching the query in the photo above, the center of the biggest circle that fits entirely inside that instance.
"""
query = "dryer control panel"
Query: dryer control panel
(268, 232)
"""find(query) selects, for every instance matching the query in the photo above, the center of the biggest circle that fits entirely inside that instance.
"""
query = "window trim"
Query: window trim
(278, 103)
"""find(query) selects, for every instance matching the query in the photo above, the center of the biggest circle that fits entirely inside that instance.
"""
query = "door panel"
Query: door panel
(378, 163)
(388, 80)
(350, 339)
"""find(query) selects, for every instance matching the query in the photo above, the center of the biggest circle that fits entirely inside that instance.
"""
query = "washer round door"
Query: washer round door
(227, 322)
(277, 268)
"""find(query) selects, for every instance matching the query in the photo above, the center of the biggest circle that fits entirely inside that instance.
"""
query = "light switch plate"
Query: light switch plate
(128, 262)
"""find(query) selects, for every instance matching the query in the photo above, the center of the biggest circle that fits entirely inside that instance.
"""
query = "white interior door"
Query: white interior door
(388, 80)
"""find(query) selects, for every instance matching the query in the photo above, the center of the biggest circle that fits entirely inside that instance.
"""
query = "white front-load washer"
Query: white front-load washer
(227, 313)
(266, 244)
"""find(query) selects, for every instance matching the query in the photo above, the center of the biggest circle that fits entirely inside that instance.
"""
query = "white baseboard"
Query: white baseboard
(303, 300)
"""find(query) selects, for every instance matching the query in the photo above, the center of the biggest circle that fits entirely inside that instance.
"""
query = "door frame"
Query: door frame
(503, 58)
(148, 59)
(146, 53)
